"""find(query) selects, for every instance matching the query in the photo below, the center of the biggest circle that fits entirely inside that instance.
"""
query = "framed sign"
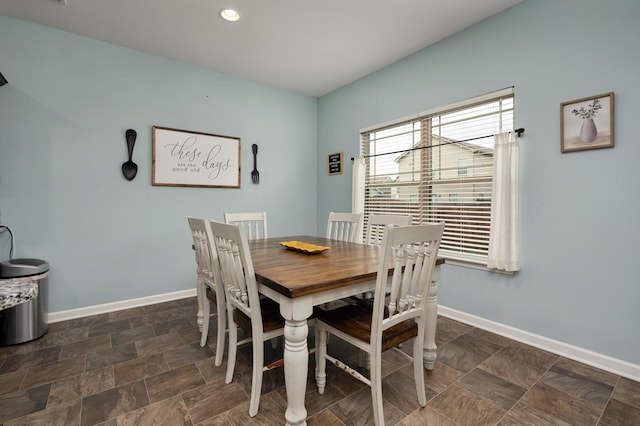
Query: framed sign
(587, 123)
(184, 158)
(335, 163)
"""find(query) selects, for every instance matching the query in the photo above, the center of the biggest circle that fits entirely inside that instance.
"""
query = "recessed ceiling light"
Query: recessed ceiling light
(229, 15)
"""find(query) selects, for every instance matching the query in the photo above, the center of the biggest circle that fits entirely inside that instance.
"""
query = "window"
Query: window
(462, 166)
(438, 166)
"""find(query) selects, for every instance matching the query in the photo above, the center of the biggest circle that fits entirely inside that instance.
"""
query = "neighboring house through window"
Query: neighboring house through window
(438, 166)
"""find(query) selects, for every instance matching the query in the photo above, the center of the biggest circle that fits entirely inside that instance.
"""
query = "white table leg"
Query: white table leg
(296, 365)
(296, 356)
(429, 351)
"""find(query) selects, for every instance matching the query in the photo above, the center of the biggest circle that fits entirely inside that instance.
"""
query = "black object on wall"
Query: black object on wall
(3, 80)
(129, 168)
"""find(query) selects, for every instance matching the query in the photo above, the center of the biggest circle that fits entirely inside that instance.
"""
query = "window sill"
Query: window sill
(466, 263)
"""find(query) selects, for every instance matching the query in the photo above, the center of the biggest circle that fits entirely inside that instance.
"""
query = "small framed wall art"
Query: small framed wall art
(185, 158)
(335, 163)
(587, 123)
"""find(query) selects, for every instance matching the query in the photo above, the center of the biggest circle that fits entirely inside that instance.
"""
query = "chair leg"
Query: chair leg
(233, 348)
(376, 389)
(418, 371)
(222, 327)
(200, 297)
(206, 312)
(321, 360)
(256, 381)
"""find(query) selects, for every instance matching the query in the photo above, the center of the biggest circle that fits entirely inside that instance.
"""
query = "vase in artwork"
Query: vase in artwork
(588, 132)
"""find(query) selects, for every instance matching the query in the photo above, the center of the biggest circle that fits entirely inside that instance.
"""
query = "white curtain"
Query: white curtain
(503, 240)
(357, 188)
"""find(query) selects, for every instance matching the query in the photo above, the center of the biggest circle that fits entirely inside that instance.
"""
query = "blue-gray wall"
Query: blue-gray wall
(63, 116)
(579, 233)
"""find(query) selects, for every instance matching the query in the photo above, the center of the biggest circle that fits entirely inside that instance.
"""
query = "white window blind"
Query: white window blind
(438, 166)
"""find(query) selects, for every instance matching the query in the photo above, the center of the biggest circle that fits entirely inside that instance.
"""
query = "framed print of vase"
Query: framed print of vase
(587, 123)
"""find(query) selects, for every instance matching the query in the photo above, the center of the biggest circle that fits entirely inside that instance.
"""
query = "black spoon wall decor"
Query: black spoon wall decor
(129, 168)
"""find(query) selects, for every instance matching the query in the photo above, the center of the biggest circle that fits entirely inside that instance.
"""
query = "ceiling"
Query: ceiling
(309, 47)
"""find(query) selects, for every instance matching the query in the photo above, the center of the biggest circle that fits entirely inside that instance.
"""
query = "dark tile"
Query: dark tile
(209, 371)
(426, 416)
(187, 354)
(82, 347)
(475, 344)
(172, 326)
(171, 411)
(109, 327)
(627, 391)
(148, 319)
(210, 400)
(618, 413)
(70, 335)
(31, 359)
(523, 415)
(21, 403)
(529, 355)
(325, 418)
(113, 402)
(315, 402)
(193, 335)
(271, 380)
(126, 314)
(140, 368)
(270, 412)
(357, 409)
(400, 390)
(455, 356)
(578, 382)
(499, 391)
(506, 367)
(157, 344)
(465, 407)
(173, 382)
(76, 387)
(448, 329)
(63, 414)
(52, 372)
(490, 337)
(111, 356)
(560, 405)
(132, 335)
(10, 382)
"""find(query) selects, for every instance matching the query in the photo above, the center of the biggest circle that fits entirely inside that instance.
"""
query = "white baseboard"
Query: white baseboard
(117, 306)
(604, 362)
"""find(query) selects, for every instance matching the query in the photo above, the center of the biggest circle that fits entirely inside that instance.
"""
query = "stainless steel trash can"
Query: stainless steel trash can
(27, 321)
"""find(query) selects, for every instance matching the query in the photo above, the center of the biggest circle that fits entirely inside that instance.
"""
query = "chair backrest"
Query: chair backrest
(254, 223)
(378, 222)
(344, 226)
(411, 252)
(238, 274)
(206, 256)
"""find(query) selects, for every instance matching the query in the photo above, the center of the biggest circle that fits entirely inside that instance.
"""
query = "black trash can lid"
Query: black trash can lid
(24, 267)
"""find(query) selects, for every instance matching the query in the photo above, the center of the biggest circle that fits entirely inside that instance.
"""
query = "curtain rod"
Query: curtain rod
(519, 131)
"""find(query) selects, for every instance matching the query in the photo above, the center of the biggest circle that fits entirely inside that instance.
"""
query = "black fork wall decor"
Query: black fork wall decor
(255, 175)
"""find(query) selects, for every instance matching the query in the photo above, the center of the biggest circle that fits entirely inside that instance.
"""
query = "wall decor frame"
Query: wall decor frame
(335, 163)
(587, 123)
(186, 158)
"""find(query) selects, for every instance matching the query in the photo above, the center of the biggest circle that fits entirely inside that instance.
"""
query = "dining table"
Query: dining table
(300, 280)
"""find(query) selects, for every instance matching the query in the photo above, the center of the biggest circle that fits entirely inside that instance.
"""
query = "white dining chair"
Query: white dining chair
(378, 222)
(258, 316)
(407, 260)
(344, 226)
(254, 223)
(208, 276)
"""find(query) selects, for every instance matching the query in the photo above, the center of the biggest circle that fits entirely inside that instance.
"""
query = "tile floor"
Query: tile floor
(145, 366)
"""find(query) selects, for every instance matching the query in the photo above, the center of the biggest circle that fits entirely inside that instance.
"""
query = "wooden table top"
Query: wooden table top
(295, 274)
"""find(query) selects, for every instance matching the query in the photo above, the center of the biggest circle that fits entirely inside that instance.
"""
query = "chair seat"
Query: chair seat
(355, 320)
(271, 318)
